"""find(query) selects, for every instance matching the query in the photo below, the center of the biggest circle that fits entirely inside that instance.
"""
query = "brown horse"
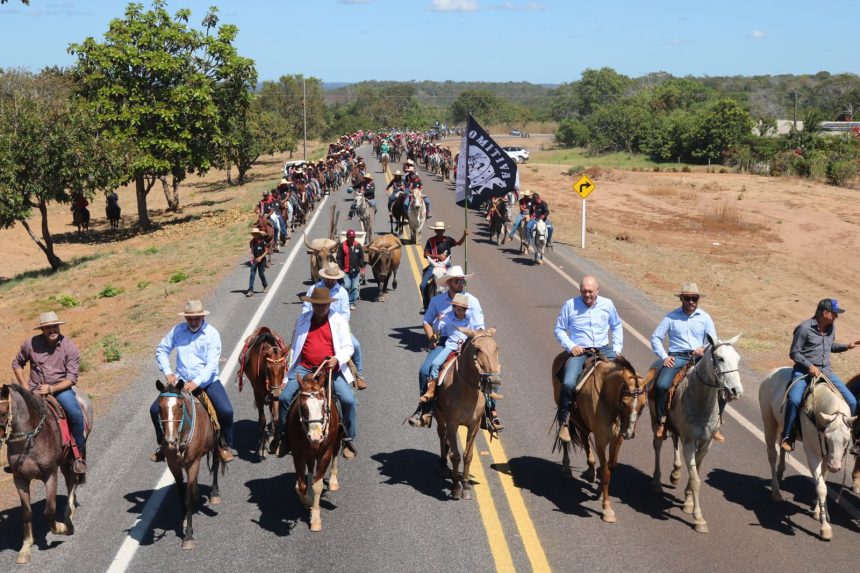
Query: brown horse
(315, 435)
(608, 405)
(460, 401)
(188, 436)
(854, 386)
(263, 361)
(265, 224)
(36, 451)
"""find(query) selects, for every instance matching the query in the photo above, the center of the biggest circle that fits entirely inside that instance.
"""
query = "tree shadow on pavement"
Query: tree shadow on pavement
(12, 527)
(418, 469)
(411, 338)
(753, 493)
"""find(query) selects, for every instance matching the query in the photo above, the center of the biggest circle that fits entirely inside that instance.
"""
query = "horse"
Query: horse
(825, 423)
(385, 159)
(366, 214)
(313, 424)
(113, 211)
(417, 214)
(398, 217)
(538, 240)
(36, 450)
(460, 401)
(263, 361)
(499, 221)
(81, 218)
(446, 166)
(188, 435)
(265, 224)
(695, 418)
(608, 405)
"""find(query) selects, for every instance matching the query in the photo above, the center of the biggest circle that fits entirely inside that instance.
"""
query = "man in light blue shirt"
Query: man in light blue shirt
(583, 329)
(198, 354)
(688, 328)
(329, 275)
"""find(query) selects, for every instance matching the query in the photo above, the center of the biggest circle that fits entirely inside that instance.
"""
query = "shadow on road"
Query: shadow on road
(279, 505)
(418, 469)
(543, 478)
(12, 531)
(411, 338)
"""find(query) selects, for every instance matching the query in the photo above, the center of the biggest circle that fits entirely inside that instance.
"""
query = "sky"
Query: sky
(546, 41)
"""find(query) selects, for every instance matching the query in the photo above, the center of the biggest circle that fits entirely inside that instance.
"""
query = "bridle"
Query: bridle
(11, 437)
(192, 419)
(485, 379)
(718, 374)
(326, 411)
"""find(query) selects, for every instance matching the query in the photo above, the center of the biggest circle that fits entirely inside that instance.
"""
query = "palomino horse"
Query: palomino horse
(499, 220)
(416, 214)
(366, 214)
(825, 424)
(694, 418)
(188, 436)
(315, 434)
(460, 401)
(608, 405)
(35, 451)
(263, 361)
(385, 159)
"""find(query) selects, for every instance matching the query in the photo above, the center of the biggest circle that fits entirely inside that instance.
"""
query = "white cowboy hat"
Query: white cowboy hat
(256, 231)
(438, 226)
(193, 308)
(460, 300)
(331, 271)
(689, 289)
(455, 272)
(49, 318)
(527, 193)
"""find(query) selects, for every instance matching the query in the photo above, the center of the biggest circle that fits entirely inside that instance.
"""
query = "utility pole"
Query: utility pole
(795, 110)
(304, 120)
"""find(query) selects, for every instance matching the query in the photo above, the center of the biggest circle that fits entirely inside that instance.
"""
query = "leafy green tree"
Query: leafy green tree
(285, 98)
(617, 127)
(481, 104)
(572, 133)
(254, 134)
(668, 136)
(153, 81)
(722, 124)
(594, 89)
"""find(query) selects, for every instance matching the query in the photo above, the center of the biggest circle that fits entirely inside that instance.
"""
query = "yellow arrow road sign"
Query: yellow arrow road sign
(584, 186)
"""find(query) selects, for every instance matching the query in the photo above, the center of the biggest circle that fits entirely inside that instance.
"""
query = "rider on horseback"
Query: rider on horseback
(583, 328)
(525, 209)
(814, 340)
(366, 188)
(438, 250)
(539, 210)
(54, 363)
(688, 328)
(198, 357)
(321, 338)
(413, 182)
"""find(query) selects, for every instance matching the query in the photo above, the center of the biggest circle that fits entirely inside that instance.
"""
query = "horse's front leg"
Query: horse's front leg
(657, 478)
(605, 476)
(855, 477)
(333, 483)
(192, 472)
(23, 487)
(57, 527)
(589, 474)
(467, 457)
(691, 497)
(820, 505)
(317, 488)
(301, 480)
(456, 477)
(261, 424)
(215, 492)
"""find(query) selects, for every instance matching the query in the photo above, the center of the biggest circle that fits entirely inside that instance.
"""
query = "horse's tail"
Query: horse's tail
(578, 434)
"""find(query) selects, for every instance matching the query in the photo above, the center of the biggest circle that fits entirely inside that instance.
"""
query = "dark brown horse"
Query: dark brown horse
(263, 361)
(499, 218)
(36, 450)
(460, 402)
(608, 405)
(265, 224)
(188, 436)
(315, 436)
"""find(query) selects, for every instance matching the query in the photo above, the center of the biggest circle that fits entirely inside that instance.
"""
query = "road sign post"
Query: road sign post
(584, 187)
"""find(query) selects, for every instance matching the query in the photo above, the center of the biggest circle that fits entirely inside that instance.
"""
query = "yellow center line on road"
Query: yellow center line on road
(486, 504)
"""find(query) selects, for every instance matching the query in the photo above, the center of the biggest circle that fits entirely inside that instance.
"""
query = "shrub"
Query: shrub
(68, 301)
(685, 169)
(841, 173)
(142, 285)
(150, 250)
(110, 348)
(572, 133)
(110, 291)
(178, 277)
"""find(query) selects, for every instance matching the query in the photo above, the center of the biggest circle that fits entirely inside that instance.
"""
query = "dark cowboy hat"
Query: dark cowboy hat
(320, 295)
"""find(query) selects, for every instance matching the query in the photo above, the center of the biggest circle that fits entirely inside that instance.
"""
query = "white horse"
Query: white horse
(385, 159)
(366, 213)
(825, 422)
(417, 214)
(538, 240)
(695, 418)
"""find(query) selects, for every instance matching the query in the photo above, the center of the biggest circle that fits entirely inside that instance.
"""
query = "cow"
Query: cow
(383, 255)
(321, 251)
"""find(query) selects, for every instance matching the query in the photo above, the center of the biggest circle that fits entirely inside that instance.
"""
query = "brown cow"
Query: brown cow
(321, 251)
(383, 255)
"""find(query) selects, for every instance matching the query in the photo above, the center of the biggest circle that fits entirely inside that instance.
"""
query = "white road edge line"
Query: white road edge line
(737, 416)
(129, 547)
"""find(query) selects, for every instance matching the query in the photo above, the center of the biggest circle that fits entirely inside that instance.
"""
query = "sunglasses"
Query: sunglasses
(457, 281)
(690, 298)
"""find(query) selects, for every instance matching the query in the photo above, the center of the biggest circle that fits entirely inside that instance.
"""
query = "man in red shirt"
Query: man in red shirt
(321, 338)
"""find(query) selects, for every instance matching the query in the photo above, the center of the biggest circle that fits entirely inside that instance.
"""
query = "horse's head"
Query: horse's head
(5, 413)
(835, 434)
(276, 367)
(484, 357)
(314, 409)
(171, 411)
(721, 364)
(632, 395)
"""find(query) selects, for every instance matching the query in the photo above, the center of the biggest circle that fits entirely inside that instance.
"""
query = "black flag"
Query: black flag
(484, 170)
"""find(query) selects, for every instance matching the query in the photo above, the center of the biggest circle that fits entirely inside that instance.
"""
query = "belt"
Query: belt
(686, 354)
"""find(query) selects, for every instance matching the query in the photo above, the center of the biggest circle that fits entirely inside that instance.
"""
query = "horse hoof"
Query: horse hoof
(333, 485)
(23, 558)
(467, 494)
(609, 516)
(215, 500)
(675, 478)
(702, 528)
(826, 534)
(316, 525)
(188, 544)
(59, 529)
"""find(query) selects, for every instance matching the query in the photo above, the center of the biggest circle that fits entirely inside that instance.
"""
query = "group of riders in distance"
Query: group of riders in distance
(308, 386)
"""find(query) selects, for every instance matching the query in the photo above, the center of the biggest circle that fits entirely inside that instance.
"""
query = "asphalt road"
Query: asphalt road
(392, 511)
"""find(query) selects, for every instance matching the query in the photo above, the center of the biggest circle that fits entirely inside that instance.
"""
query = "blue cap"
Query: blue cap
(830, 305)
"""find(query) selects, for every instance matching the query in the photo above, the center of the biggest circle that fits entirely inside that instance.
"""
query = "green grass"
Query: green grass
(580, 158)
(110, 348)
(68, 301)
(178, 277)
(110, 291)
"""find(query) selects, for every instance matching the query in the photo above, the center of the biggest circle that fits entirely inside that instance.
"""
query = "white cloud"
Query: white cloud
(757, 35)
(527, 7)
(455, 5)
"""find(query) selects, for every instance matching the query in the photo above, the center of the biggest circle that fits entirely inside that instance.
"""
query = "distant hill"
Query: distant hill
(442, 94)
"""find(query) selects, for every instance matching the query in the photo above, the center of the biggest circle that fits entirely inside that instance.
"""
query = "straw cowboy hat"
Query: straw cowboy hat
(256, 231)
(368, 176)
(460, 300)
(320, 295)
(527, 193)
(49, 318)
(398, 173)
(690, 289)
(455, 272)
(438, 226)
(193, 308)
(331, 271)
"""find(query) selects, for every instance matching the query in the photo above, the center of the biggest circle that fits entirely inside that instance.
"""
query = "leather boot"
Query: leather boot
(660, 434)
(157, 455)
(284, 445)
(431, 391)
(225, 454)
(563, 431)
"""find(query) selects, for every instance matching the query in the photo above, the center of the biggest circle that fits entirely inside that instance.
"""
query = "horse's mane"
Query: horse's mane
(623, 363)
(29, 399)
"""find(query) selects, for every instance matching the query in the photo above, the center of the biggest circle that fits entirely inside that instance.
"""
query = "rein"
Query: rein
(484, 378)
(717, 373)
(13, 437)
(183, 444)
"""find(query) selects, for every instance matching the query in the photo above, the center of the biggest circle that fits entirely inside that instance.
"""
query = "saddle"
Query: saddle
(210, 409)
(651, 378)
(446, 366)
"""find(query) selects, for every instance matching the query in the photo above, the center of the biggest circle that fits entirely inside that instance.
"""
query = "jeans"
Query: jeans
(425, 277)
(223, 409)
(517, 221)
(424, 373)
(285, 230)
(75, 415)
(342, 390)
(438, 361)
(255, 269)
(799, 382)
(530, 229)
(664, 382)
(572, 372)
(350, 283)
(356, 354)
